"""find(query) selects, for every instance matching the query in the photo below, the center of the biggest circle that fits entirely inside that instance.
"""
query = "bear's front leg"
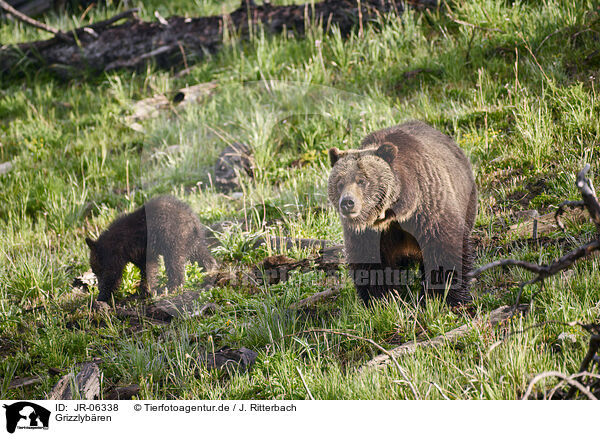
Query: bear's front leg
(363, 256)
(108, 283)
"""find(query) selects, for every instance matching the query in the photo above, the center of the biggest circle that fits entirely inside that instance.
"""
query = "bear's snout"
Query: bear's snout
(347, 205)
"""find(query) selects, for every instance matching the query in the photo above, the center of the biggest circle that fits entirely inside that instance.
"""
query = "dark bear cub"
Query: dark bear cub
(406, 197)
(164, 226)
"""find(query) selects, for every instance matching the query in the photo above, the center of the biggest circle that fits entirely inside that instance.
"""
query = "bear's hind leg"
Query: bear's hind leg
(444, 273)
(151, 270)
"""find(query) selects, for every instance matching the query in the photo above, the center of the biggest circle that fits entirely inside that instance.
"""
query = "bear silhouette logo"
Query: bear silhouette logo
(24, 414)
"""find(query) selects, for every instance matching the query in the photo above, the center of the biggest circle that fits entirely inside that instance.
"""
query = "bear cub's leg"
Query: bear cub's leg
(175, 267)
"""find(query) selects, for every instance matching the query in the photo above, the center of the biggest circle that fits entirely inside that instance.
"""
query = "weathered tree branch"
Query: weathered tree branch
(496, 316)
(85, 385)
(24, 381)
(593, 347)
(543, 271)
(106, 23)
(569, 379)
(562, 209)
(590, 203)
(309, 301)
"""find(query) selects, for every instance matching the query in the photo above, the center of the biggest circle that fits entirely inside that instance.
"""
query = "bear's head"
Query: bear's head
(95, 263)
(106, 265)
(362, 186)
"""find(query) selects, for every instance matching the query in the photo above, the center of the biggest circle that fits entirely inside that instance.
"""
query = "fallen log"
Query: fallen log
(85, 385)
(495, 317)
(151, 107)
(275, 269)
(184, 304)
(180, 40)
(277, 243)
(34, 8)
(21, 382)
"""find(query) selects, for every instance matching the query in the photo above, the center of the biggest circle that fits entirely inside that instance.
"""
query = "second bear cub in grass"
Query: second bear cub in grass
(163, 226)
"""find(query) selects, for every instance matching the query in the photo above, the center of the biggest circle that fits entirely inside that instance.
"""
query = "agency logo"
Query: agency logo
(26, 415)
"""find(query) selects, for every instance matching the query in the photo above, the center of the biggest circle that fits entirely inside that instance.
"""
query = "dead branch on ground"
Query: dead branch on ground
(493, 318)
(568, 379)
(315, 298)
(590, 202)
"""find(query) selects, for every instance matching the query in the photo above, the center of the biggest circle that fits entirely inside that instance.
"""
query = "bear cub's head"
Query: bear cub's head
(362, 186)
(96, 258)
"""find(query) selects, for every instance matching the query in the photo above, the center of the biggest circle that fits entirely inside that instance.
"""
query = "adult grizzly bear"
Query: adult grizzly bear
(406, 197)
(163, 226)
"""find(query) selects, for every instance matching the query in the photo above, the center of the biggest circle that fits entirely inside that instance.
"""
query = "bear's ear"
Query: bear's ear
(90, 243)
(334, 155)
(387, 151)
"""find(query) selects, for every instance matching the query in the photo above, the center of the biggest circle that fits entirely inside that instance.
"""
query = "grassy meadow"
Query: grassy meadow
(515, 83)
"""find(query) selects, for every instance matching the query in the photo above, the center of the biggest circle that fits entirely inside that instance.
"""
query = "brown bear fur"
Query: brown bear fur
(163, 226)
(406, 197)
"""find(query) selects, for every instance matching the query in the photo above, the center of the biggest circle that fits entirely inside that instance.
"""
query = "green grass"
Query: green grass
(521, 101)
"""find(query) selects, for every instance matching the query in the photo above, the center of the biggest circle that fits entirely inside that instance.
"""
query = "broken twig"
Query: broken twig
(569, 379)
(30, 21)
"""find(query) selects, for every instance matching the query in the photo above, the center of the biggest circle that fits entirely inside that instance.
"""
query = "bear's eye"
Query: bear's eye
(340, 185)
(361, 182)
